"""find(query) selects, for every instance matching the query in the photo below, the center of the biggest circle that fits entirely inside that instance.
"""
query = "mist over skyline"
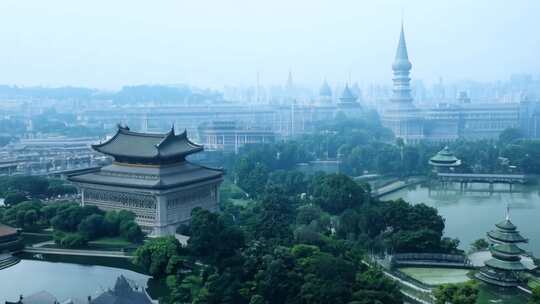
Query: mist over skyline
(216, 43)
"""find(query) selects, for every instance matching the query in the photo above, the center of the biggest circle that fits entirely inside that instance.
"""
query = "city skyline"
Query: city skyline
(190, 43)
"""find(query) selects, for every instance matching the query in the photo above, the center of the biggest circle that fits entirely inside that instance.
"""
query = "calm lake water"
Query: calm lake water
(470, 215)
(63, 280)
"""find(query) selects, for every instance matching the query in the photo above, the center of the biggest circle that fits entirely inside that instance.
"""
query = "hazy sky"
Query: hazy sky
(112, 43)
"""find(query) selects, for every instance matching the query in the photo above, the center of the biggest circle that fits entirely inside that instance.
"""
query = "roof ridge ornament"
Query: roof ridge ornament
(123, 128)
(507, 212)
(166, 138)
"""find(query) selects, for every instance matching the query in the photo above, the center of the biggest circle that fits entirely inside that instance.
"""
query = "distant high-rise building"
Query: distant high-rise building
(289, 88)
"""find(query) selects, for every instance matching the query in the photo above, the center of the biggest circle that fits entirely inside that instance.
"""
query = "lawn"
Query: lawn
(113, 241)
(533, 283)
(232, 193)
(105, 244)
(436, 276)
(29, 239)
(240, 201)
(110, 244)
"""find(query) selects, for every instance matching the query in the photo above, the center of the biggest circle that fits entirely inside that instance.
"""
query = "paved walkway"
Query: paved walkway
(395, 186)
(78, 252)
(408, 284)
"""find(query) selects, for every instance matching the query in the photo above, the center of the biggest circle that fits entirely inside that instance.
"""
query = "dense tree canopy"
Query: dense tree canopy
(337, 192)
(78, 224)
(466, 293)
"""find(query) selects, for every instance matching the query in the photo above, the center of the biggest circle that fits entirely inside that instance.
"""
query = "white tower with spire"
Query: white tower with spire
(402, 117)
(401, 92)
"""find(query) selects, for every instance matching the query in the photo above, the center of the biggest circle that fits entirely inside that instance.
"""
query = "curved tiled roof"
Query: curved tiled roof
(126, 144)
(507, 249)
(506, 225)
(444, 158)
(149, 177)
(506, 237)
(505, 265)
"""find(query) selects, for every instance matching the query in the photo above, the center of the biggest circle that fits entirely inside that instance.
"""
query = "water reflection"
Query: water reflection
(469, 215)
(63, 280)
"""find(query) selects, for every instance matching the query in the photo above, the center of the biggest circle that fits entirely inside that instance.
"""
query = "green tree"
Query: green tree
(69, 216)
(466, 293)
(275, 217)
(154, 255)
(30, 219)
(535, 297)
(92, 226)
(211, 238)
(14, 198)
(371, 286)
(337, 192)
(510, 135)
(480, 244)
(131, 231)
(306, 214)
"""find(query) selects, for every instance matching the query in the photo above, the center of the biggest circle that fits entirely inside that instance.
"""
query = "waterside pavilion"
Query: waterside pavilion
(504, 266)
(444, 161)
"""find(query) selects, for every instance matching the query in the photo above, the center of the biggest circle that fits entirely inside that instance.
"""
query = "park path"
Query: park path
(395, 186)
(77, 252)
(408, 284)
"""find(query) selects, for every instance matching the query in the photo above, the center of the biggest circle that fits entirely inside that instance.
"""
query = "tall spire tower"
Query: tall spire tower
(401, 68)
(401, 116)
(289, 87)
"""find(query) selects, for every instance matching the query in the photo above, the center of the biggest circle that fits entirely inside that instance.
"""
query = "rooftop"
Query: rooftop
(123, 293)
(149, 177)
(134, 147)
(347, 95)
(444, 158)
(7, 230)
(325, 90)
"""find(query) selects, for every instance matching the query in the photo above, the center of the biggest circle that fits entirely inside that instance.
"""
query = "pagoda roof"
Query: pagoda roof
(505, 265)
(506, 236)
(149, 177)
(506, 225)
(127, 145)
(507, 249)
(444, 158)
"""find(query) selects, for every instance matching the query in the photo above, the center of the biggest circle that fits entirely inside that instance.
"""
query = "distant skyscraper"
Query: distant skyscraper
(289, 88)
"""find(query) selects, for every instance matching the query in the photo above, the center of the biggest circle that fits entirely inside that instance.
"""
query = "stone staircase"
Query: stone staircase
(7, 260)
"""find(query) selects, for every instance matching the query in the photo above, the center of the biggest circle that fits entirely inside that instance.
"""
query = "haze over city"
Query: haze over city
(108, 44)
(269, 152)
